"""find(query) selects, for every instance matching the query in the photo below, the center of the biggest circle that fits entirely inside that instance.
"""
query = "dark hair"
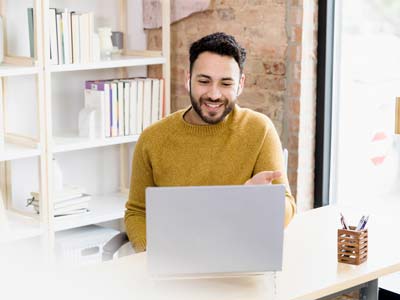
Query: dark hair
(219, 43)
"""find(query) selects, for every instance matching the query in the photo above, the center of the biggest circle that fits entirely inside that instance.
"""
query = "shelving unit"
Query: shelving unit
(114, 62)
(72, 143)
(11, 151)
(105, 205)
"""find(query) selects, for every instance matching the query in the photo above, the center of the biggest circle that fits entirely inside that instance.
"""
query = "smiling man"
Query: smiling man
(213, 142)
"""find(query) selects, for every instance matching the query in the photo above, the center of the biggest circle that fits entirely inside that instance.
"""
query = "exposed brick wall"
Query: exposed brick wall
(271, 31)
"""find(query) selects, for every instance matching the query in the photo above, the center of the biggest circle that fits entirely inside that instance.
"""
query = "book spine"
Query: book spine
(139, 112)
(133, 107)
(53, 37)
(114, 109)
(127, 96)
(121, 116)
(155, 101)
(31, 32)
(147, 102)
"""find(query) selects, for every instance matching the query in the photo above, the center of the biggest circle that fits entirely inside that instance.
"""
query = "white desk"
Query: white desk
(310, 269)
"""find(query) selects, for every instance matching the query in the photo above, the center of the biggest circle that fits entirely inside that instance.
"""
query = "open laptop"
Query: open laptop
(201, 231)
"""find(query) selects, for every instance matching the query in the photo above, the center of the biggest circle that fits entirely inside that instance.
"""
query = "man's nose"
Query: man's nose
(214, 93)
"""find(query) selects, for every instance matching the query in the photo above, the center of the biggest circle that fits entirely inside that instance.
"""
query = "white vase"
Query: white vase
(106, 46)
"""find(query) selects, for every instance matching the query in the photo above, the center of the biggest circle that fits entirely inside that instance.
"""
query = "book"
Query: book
(31, 29)
(147, 90)
(121, 115)
(155, 99)
(73, 203)
(86, 36)
(127, 96)
(90, 35)
(139, 112)
(72, 212)
(76, 44)
(114, 109)
(59, 38)
(68, 192)
(66, 35)
(133, 103)
(53, 36)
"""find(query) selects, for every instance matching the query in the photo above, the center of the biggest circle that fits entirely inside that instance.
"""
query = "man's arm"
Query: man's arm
(269, 168)
(135, 214)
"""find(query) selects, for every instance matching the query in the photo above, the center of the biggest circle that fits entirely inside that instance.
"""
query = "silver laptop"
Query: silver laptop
(214, 230)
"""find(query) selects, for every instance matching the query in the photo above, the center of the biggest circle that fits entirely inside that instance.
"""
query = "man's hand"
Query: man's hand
(264, 177)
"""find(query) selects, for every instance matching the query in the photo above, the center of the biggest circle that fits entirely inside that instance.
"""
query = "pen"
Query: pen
(365, 223)
(343, 221)
(360, 223)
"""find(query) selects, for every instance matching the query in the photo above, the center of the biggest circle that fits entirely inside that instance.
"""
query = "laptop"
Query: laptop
(203, 231)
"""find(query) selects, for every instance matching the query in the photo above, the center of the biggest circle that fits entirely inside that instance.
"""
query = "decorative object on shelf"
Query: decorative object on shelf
(87, 123)
(57, 175)
(106, 46)
(117, 38)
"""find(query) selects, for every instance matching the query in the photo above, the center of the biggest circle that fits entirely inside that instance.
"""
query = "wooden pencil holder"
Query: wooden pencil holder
(352, 246)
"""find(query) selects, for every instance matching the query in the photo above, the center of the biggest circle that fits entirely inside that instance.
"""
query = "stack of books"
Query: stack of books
(68, 201)
(71, 35)
(124, 106)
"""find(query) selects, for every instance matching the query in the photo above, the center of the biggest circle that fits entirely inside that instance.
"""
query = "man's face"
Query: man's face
(214, 85)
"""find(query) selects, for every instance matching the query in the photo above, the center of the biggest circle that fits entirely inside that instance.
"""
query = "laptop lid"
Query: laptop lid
(207, 230)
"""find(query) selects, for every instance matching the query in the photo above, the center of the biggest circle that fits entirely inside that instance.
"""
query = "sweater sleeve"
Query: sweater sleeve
(270, 158)
(135, 214)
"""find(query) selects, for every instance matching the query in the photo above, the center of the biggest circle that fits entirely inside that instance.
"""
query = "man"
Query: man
(213, 142)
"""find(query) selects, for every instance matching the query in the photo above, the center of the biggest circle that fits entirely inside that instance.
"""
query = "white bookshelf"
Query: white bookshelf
(72, 143)
(102, 208)
(10, 151)
(59, 98)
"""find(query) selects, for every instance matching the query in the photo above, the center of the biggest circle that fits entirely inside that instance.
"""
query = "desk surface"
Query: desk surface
(310, 268)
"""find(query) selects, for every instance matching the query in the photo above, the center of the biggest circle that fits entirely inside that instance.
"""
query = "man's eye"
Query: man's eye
(203, 81)
(226, 84)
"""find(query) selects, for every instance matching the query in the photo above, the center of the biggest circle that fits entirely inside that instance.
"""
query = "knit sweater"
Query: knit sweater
(173, 152)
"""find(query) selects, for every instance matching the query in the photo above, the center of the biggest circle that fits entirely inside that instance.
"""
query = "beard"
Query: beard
(211, 117)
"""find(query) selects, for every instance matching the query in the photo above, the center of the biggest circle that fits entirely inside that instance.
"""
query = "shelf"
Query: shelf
(10, 151)
(72, 143)
(102, 208)
(114, 62)
(20, 227)
(7, 70)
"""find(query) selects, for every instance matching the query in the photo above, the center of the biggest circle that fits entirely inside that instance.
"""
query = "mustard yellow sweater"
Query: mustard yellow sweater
(173, 152)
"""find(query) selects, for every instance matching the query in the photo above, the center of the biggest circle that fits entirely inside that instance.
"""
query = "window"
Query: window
(365, 152)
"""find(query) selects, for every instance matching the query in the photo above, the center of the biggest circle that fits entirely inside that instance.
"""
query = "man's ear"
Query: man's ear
(241, 84)
(188, 81)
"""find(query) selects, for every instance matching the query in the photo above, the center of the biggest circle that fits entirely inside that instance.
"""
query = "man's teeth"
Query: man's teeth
(213, 105)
